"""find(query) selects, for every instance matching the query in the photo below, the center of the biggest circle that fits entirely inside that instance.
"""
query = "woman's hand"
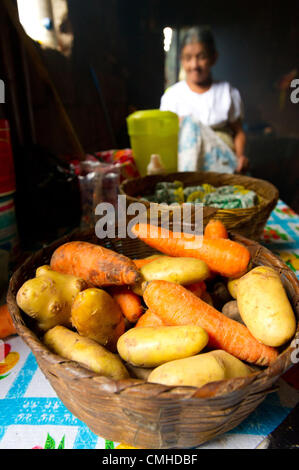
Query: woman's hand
(242, 164)
(239, 143)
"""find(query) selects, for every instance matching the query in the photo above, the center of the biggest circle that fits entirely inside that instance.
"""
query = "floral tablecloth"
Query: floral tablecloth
(32, 416)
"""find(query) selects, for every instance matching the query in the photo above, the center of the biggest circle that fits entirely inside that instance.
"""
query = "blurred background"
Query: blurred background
(73, 71)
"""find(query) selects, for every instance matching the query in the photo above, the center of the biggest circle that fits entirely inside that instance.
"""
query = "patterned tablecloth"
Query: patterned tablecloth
(32, 416)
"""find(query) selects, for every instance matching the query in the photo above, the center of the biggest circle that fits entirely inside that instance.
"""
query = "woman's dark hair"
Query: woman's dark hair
(200, 34)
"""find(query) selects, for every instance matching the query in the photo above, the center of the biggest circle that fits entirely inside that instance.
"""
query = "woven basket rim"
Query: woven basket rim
(247, 211)
(73, 370)
(249, 222)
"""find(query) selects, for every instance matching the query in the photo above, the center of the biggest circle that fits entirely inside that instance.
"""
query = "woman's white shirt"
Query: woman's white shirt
(217, 107)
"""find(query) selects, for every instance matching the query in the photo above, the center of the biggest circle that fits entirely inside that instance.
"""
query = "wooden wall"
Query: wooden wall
(121, 44)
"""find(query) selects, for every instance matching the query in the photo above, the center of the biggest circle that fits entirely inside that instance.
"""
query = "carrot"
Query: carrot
(149, 318)
(95, 264)
(226, 257)
(215, 229)
(129, 302)
(175, 305)
(7, 327)
(200, 290)
(197, 288)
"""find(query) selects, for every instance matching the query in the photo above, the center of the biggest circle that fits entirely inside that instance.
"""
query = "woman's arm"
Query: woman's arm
(240, 143)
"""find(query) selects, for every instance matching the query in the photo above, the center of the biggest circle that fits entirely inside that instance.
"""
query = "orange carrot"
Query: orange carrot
(129, 302)
(226, 257)
(215, 229)
(119, 330)
(7, 327)
(175, 305)
(95, 264)
(197, 288)
(143, 261)
(200, 290)
(149, 318)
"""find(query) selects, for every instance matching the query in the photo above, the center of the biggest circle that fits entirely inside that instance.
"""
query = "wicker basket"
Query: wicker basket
(143, 414)
(248, 222)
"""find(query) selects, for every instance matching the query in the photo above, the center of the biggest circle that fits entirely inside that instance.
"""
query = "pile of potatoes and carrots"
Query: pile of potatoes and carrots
(193, 313)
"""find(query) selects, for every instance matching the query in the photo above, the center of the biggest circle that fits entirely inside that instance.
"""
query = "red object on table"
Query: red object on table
(7, 171)
(122, 157)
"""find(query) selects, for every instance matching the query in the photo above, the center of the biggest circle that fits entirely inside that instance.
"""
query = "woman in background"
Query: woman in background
(215, 106)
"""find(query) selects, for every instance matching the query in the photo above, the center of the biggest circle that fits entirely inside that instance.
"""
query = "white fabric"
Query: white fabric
(216, 107)
(201, 149)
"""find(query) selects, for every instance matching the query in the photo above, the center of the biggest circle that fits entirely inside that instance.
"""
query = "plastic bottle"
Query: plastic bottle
(153, 131)
(155, 166)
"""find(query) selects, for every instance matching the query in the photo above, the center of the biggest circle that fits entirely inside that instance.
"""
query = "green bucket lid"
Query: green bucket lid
(153, 122)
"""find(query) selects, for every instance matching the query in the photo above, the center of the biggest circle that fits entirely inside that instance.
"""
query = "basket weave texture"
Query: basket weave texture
(144, 414)
(249, 222)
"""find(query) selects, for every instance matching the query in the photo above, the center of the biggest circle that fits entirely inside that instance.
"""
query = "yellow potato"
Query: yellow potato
(181, 270)
(71, 285)
(152, 346)
(232, 286)
(87, 352)
(193, 371)
(96, 315)
(199, 370)
(264, 306)
(48, 298)
(154, 256)
(233, 366)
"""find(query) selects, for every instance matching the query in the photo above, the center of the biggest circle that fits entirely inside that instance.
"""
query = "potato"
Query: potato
(233, 366)
(152, 346)
(193, 371)
(206, 297)
(138, 372)
(155, 256)
(220, 294)
(89, 353)
(231, 310)
(48, 297)
(264, 306)
(180, 270)
(199, 370)
(232, 285)
(96, 315)
(71, 285)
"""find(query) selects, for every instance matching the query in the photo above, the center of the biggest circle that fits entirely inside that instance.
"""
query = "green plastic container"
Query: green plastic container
(154, 132)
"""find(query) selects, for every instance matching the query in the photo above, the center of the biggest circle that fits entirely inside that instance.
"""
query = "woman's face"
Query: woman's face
(197, 62)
